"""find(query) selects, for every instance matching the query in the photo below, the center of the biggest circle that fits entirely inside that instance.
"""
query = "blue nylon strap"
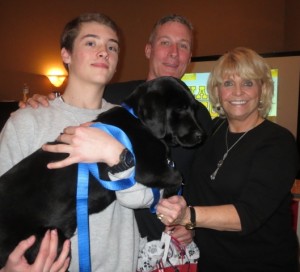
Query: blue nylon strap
(155, 191)
(156, 197)
(129, 109)
(116, 185)
(123, 139)
(83, 219)
(82, 195)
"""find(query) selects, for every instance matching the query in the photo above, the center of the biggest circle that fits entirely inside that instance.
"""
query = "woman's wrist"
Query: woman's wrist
(186, 218)
(191, 218)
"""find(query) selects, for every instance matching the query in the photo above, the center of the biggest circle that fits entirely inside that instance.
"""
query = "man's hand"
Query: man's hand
(36, 100)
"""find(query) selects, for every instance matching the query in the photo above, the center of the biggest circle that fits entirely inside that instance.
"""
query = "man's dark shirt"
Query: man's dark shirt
(148, 223)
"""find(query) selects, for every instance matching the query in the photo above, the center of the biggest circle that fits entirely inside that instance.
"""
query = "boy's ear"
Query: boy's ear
(65, 56)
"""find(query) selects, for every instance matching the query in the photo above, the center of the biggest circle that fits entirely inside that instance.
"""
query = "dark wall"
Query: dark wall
(298, 129)
(30, 32)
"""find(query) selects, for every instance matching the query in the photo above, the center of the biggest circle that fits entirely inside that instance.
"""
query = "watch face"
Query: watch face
(190, 226)
(126, 162)
(129, 159)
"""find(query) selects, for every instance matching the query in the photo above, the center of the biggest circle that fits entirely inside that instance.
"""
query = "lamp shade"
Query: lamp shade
(57, 80)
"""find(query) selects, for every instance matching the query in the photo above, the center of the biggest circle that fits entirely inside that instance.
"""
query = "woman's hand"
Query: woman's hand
(85, 144)
(173, 211)
(181, 234)
(45, 260)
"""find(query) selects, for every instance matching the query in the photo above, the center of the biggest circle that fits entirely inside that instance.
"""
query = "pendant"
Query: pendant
(220, 163)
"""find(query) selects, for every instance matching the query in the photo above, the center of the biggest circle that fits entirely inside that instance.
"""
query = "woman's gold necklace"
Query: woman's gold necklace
(220, 162)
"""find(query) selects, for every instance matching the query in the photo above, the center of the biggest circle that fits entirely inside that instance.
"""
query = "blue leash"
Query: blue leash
(82, 194)
(155, 191)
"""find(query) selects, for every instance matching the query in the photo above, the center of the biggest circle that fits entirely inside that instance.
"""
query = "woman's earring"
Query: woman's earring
(260, 105)
(218, 107)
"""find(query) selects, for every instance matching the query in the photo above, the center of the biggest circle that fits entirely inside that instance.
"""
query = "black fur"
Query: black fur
(34, 198)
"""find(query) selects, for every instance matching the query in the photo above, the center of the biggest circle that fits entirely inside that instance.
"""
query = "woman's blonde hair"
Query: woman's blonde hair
(247, 64)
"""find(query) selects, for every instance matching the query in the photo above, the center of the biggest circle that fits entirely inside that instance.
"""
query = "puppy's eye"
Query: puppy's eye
(181, 108)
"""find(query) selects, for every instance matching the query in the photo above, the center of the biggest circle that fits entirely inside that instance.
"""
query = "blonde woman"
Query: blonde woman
(241, 179)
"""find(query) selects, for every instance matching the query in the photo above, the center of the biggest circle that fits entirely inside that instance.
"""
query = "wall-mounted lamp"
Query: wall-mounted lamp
(57, 80)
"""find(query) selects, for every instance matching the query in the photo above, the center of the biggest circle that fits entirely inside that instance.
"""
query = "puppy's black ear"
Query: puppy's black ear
(152, 111)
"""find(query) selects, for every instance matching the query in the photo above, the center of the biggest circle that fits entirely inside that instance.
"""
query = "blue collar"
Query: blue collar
(129, 109)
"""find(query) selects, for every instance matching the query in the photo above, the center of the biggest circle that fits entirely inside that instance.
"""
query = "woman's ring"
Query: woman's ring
(160, 216)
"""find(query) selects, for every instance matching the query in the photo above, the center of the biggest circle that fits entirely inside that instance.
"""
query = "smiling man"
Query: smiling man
(169, 49)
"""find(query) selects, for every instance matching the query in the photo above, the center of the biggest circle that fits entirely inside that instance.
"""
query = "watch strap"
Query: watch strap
(192, 224)
(125, 163)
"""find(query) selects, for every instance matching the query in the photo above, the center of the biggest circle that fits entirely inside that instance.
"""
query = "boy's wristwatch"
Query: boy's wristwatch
(126, 162)
(192, 224)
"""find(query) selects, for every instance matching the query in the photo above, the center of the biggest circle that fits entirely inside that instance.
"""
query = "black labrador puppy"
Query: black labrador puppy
(34, 198)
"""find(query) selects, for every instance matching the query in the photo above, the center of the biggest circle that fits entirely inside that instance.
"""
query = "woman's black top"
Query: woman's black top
(256, 177)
